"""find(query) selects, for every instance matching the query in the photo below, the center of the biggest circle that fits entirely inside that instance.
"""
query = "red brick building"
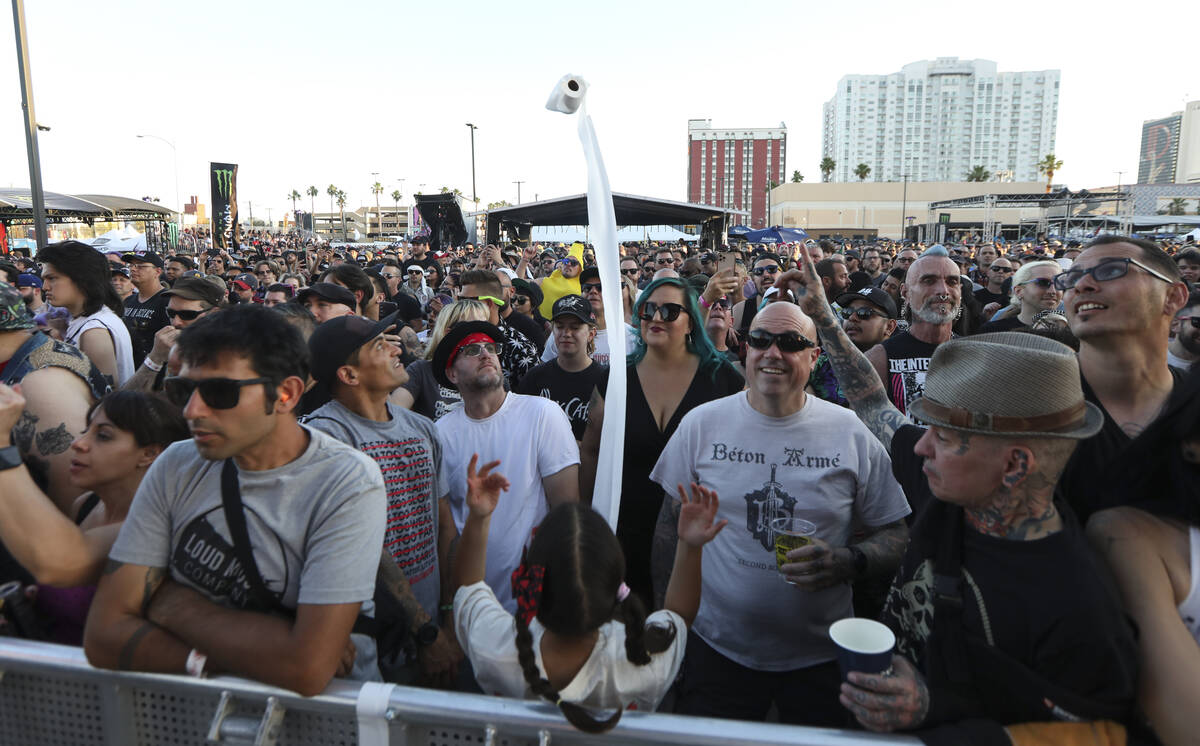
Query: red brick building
(730, 167)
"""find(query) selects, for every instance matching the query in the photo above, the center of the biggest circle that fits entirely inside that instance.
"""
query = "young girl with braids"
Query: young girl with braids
(580, 638)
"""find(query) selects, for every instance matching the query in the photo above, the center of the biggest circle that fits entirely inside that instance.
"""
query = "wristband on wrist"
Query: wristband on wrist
(151, 365)
(195, 664)
(704, 302)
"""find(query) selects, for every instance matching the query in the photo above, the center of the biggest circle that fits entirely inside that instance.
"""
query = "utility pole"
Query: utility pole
(903, 210)
(518, 183)
(31, 125)
(474, 195)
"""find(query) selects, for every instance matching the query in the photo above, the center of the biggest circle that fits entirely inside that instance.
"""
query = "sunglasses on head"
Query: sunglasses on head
(491, 298)
(185, 315)
(586, 286)
(761, 339)
(862, 312)
(217, 393)
(666, 311)
(770, 269)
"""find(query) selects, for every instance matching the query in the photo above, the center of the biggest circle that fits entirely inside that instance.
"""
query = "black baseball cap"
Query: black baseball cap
(334, 341)
(247, 280)
(573, 305)
(143, 258)
(329, 292)
(874, 296)
(589, 273)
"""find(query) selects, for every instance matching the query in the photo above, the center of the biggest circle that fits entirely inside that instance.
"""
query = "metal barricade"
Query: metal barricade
(50, 695)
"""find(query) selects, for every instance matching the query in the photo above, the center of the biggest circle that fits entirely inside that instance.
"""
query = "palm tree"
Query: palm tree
(377, 189)
(978, 173)
(862, 171)
(341, 200)
(312, 193)
(293, 197)
(396, 195)
(332, 191)
(1177, 206)
(827, 166)
(797, 177)
(1048, 166)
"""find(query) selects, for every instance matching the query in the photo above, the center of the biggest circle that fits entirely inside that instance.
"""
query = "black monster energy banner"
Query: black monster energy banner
(223, 178)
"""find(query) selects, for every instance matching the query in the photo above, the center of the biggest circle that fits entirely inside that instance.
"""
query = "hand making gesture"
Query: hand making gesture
(696, 516)
(484, 487)
(806, 286)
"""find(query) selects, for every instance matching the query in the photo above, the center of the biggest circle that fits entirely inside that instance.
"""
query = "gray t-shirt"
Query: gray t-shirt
(316, 526)
(820, 464)
(430, 398)
(409, 456)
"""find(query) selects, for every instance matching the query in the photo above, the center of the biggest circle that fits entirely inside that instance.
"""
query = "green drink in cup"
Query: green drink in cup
(790, 533)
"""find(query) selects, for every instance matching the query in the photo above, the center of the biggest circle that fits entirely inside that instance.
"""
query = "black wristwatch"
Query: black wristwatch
(860, 561)
(427, 634)
(10, 457)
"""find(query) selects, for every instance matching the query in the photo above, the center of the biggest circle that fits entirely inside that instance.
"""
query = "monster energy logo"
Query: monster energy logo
(224, 181)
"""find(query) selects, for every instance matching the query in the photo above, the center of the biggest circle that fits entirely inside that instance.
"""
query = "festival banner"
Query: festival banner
(223, 181)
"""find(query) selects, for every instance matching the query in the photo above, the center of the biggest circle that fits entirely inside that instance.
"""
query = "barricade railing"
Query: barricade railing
(50, 695)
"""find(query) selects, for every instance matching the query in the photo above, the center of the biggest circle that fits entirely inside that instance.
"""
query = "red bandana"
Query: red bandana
(474, 338)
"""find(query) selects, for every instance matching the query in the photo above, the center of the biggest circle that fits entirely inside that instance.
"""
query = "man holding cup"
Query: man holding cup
(774, 453)
(1001, 613)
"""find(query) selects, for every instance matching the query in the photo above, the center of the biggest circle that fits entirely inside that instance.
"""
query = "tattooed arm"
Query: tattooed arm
(859, 379)
(56, 406)
(663, 546)
(118, 635)
(884, 548)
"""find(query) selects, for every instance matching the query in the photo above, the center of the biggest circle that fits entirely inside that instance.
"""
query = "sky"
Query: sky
(307, 93)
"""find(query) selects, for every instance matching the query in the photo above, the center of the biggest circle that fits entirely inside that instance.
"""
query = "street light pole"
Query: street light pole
(518, 183)
(474, 195)
(31, 126)
(175, 162)
(903, 210)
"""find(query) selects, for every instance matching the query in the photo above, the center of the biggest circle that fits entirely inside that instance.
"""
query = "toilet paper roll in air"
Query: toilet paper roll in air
(567, 95)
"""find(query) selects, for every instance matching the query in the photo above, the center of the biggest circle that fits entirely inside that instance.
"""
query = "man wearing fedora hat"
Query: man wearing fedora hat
(529, 435)
(1002, 615)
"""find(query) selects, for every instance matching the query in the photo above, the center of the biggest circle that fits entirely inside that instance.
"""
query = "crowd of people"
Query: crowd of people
(292, 461)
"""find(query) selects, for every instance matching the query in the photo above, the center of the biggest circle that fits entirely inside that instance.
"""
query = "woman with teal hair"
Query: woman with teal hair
(673, 369)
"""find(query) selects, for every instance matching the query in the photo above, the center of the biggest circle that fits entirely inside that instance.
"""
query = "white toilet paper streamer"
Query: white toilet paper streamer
(568, 97)
(371, 709)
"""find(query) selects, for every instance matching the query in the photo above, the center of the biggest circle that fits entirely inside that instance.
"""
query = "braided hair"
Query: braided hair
(584, 568)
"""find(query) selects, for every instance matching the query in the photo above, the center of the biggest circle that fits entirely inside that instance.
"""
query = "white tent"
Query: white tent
(1194, 235)
(572, 233)
(120, 240)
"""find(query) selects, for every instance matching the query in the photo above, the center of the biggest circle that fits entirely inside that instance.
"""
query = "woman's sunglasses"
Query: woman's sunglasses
(217, 393)
(667, 311)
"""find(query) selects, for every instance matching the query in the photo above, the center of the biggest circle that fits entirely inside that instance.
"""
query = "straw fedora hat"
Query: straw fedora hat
(1007, 384)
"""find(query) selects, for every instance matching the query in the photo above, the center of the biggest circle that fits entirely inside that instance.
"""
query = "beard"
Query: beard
(929, 316)
(483, 382)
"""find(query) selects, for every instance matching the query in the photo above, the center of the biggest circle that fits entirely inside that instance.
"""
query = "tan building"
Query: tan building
(856, 209)
(391, 221)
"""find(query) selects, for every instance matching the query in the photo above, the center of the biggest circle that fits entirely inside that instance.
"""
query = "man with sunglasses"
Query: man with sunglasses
(508, 313)
(869, 318)
(1121, 296)
(530, 436)
(277, 604)
(357, 366)
(997, 281)
(145, 308)
(1184, 348)
(766, 268)
(518, 353)
(774, 452)
(190, 299)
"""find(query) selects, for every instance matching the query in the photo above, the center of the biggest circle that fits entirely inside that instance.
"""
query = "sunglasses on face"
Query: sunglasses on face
(770, 269)
(586, 286)
(217, 393)
(520, 300)
(476, 349)
(491, 298)
(570, 262)
(664, 261)
(630, 271)
(861, 312)
(723, 302)
(1195, 321)
(185, 315)
(1043, 283)
(666, 311)
(1103, 272)
(1005, 270)
(761, 339)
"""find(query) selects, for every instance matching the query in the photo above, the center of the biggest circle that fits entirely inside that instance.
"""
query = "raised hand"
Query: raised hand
(696, 516)
(722, 283)
(806, 286)
(12, 404)
(484, 487)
